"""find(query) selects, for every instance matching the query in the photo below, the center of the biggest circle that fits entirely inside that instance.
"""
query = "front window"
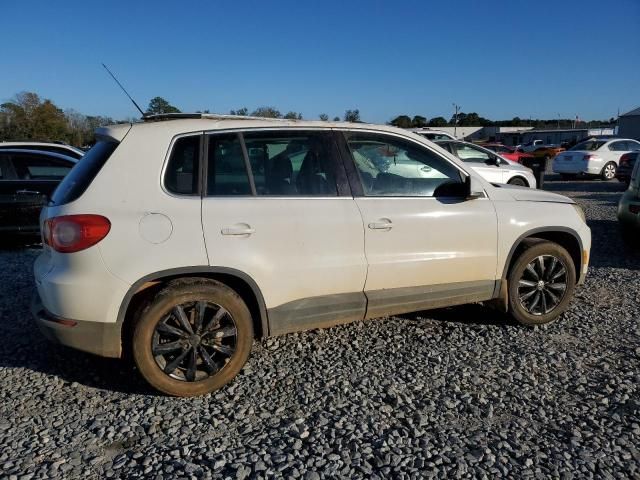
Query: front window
(389, 166)
(589, 145)
(469, 153)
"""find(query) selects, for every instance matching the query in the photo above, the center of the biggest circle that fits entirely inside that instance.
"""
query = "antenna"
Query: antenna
(125, 92)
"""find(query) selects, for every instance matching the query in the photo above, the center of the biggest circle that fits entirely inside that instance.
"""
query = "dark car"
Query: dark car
(27, 180)
(625, 167)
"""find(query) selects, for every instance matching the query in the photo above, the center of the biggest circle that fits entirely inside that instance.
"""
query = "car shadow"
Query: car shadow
(470, 314)
(554, 184)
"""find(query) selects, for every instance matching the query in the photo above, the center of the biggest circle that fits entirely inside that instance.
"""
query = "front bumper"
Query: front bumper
(94, 337)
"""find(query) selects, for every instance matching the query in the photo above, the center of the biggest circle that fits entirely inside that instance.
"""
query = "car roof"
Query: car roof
(40, 144)
(57, 156)
(177, 124)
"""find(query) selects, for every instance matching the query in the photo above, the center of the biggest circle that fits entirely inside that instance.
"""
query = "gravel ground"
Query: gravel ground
(459, 392)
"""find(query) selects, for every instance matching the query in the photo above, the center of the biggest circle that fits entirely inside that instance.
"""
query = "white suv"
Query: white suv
(180, 240)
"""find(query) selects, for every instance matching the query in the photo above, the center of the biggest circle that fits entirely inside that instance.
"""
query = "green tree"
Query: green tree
(293, 116)
(419, 121)
(27, 117)
(324, 117)
(336, 119)
(243, 112)
(401, 121)
(266, 112)
(159, 105)
(352, 115)
(438, 122)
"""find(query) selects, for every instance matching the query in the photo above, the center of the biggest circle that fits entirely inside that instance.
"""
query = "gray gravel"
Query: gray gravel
(458, 392)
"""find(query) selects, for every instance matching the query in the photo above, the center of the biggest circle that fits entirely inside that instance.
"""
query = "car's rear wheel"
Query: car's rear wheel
(193, 338)
(520, 182)
(609, 171)
(541, 283)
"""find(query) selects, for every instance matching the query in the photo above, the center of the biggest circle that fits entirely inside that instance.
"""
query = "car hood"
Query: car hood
(526, 194)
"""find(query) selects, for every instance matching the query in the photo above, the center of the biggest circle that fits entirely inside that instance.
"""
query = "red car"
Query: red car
(507, 152)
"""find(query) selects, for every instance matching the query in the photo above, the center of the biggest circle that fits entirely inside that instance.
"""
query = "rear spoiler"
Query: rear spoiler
(113, 133)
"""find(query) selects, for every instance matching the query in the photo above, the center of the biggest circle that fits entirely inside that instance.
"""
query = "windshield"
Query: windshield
(589, 145)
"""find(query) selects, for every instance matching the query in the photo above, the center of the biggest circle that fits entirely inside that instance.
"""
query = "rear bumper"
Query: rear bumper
(94, 337)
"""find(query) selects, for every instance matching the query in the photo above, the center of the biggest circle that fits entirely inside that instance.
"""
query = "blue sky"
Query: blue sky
(498, 58)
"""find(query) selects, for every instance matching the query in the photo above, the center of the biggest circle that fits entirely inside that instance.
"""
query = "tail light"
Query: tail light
(588, 157)
(72, 233)
(635, 209)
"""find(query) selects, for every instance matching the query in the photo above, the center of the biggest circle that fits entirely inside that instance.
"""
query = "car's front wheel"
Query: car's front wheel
(609, 171)
(193, 338)
(518, 181)
(541, 283)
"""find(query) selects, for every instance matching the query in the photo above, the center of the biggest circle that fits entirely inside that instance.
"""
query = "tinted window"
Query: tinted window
(83, 173)
(32, 167)
(633, 146)
(226, 168)
(181, 176)
(389, 166)
(292, 163)
(618, 146)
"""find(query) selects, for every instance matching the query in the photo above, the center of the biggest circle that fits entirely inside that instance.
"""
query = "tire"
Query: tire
(522, 297)
(608, 171)
(221, 348)
(518, 181)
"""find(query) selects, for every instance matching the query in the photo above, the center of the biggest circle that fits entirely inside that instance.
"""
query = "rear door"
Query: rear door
(278, 208)
(37, 176)
(425, 245)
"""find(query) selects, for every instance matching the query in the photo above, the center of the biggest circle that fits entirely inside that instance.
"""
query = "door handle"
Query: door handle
(28, 192)
(238, 230)
(382, 224)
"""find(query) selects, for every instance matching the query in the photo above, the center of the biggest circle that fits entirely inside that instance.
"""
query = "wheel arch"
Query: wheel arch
(563, 236)
(519, 177)
(146, 287)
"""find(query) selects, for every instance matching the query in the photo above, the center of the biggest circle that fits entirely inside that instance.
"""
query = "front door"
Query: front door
(278, 208)
(425, 246)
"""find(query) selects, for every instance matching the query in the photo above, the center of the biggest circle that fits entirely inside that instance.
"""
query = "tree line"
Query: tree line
(27, 116)
(473, 119)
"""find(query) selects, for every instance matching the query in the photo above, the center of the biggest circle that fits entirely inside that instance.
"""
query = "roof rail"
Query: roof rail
(210, 116)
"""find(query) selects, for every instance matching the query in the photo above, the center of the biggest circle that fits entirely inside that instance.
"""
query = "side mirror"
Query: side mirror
(493, 160)
(474, 188)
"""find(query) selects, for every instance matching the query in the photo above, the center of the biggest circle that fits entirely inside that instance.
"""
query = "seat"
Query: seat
(311, 178)
(280, 176)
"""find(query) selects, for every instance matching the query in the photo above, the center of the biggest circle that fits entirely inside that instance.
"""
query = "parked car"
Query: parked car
(594, 157)
(627, 161)
(491, 166)
(179, 241)
(60, 148)
(27, 180)
(433, 135)
(510, 153)
(629, 208)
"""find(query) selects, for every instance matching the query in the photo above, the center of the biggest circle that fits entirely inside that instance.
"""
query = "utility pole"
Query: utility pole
(455, 123)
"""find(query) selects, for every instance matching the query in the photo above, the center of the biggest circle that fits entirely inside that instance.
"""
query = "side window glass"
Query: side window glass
(181, 176)
(467, 153)
(226, 169)
(389, 166)
(618, 146)
(633, 146)
(287, 163)
(39, 168)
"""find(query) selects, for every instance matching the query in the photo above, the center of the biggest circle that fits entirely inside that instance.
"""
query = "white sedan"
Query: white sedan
(490, 165)
(596, 156)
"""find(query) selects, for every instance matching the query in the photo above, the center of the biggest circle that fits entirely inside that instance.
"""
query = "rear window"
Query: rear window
(589, 145)
(83, 173)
